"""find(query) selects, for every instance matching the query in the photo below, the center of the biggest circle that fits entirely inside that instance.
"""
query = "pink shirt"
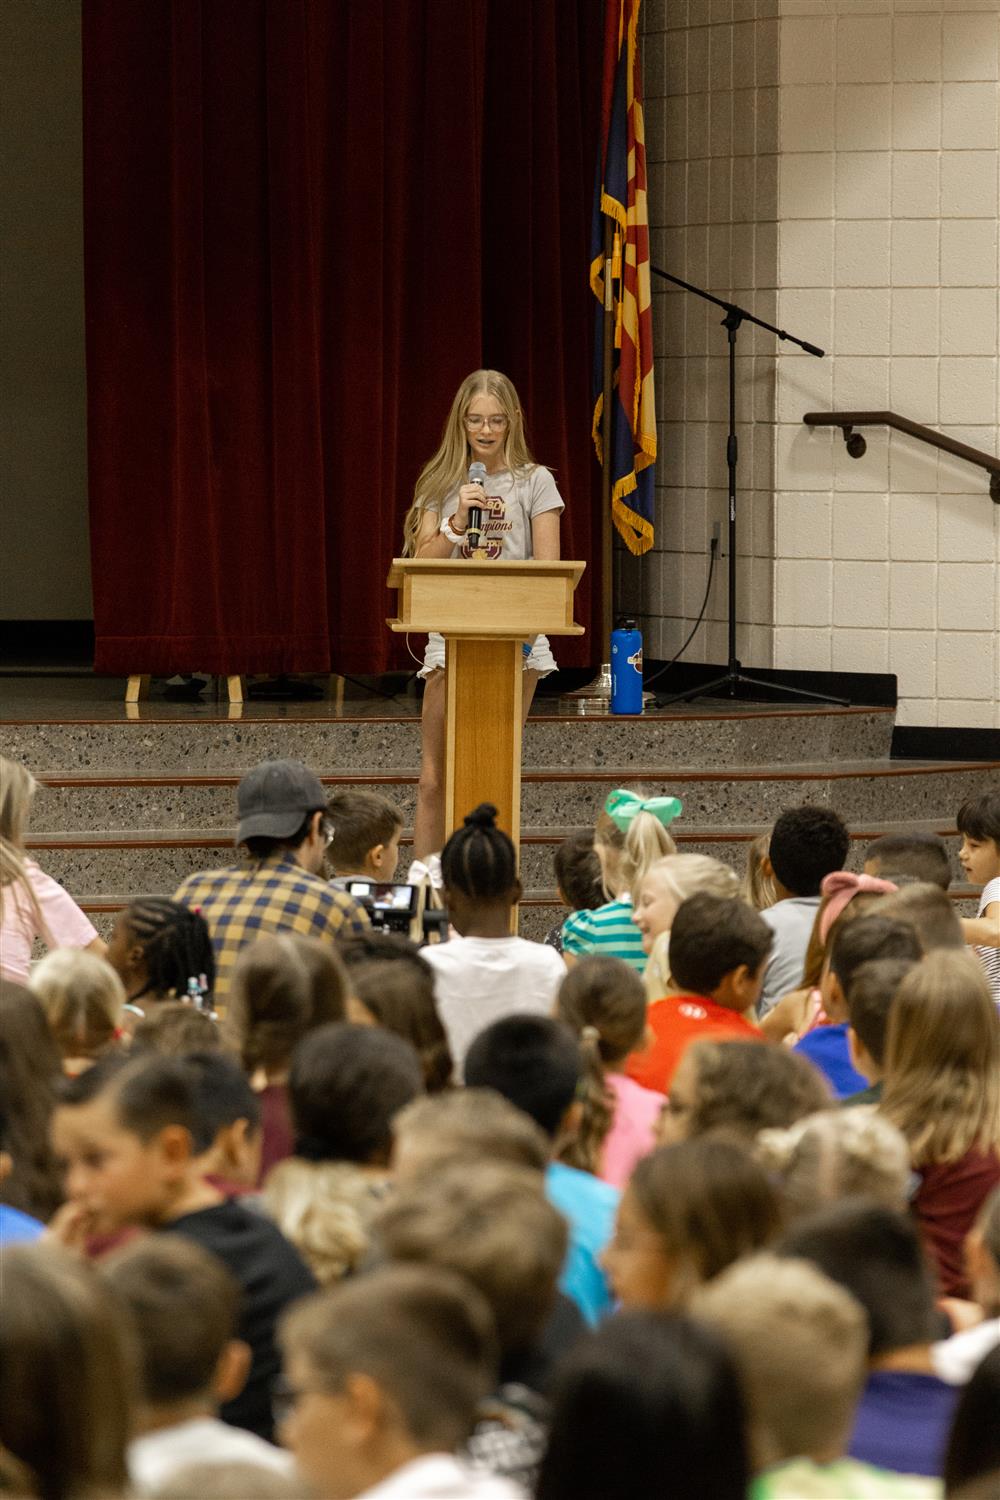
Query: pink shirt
(632, 1130)
(65, 925)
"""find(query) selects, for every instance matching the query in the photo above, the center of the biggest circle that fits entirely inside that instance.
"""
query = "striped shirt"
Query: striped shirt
(609, 931)
(990, 957)
(260, 897)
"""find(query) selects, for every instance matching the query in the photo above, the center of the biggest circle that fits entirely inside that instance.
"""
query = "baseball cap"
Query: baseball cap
(274, 799)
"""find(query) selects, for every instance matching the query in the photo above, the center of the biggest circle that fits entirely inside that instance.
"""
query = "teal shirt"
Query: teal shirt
(608, 931)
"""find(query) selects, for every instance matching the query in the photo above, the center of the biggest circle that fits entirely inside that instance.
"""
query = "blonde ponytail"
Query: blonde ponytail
(17, 792)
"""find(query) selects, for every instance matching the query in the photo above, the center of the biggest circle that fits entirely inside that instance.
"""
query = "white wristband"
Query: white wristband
(453, 536)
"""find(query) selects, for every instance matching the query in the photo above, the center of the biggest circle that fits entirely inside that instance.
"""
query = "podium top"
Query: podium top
(485, 599)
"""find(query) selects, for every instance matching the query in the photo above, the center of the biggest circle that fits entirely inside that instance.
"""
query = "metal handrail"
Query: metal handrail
(856, 445)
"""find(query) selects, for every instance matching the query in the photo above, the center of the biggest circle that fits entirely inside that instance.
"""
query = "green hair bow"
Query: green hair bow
(622, 807)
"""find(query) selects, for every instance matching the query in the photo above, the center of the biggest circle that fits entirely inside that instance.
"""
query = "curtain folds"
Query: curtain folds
(305, 222)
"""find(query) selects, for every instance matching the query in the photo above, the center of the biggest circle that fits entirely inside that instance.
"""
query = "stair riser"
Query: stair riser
(99, 869)
(163, 747)
(559, 804)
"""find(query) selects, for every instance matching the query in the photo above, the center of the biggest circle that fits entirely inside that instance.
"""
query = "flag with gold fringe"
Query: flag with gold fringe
(620, 197)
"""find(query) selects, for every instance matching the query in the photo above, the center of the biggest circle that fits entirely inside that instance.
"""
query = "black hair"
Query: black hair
(176, 946)
(479, 858)
(345, 1086)
(222, 1093)
(711, 936)
(262, 846)
(867, 938)
(806, 844)
(917, 855)
(533, 1061)
(973, 1450)
(578, 871)
(870, 995)
(979, 817)
(877, 1255)
(643, 1397)
(150, 1093)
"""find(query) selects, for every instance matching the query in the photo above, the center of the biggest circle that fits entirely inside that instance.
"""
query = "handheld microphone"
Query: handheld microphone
(477, 475)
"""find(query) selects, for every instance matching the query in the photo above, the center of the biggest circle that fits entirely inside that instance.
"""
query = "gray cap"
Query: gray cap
(275, 798)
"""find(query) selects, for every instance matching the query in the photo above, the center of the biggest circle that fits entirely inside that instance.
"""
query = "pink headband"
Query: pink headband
(840, 889)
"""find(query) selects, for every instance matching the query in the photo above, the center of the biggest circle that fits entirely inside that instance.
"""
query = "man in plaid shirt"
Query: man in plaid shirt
(277, 887)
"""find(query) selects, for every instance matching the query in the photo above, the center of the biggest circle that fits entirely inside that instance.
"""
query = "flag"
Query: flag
(620, 195)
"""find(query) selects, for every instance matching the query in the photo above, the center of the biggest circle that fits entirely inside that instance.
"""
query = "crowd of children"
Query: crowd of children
(700, 1197)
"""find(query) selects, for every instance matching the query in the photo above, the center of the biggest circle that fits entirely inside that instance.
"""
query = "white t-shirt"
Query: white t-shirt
(990, 957)
(440, 1476)
(512, 502)
(155, 1456)
(66, 926)
(480, 980)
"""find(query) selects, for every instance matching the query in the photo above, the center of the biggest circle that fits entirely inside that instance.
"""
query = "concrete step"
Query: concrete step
(551, 799)
(150, 859)
(704, 739)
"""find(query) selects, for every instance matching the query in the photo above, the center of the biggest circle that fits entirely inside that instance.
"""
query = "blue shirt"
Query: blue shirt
(826, 1048)
(17, 1228)
(589, 1206)
(903, 1421)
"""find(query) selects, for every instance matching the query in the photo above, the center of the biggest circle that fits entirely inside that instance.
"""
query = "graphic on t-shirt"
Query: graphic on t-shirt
(495, 528)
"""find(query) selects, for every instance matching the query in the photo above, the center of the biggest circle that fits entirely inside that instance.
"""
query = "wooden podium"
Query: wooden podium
(485, 610)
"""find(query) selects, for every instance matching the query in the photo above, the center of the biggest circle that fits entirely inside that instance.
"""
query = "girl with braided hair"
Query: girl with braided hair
(486, 972)
(161, 951)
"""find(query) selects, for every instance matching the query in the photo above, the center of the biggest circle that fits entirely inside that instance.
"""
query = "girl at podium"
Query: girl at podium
(519, 507)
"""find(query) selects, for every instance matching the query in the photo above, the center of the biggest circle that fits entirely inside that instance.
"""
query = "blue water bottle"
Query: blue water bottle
(626, 669)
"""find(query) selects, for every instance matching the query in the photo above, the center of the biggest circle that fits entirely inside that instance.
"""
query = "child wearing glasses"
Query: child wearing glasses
(520, 519)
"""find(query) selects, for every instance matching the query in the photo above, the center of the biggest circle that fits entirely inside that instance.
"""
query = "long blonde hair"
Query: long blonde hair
(942, 1065)
(448, 469)
(632, 852)
(17, 792)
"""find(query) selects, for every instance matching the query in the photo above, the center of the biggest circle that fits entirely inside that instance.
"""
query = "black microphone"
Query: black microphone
(477, 475)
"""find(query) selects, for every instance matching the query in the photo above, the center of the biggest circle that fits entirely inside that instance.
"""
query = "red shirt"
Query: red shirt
(676, 1021)
(946, 1205)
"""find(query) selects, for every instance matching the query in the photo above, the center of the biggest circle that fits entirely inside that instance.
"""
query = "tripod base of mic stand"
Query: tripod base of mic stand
(726, 687)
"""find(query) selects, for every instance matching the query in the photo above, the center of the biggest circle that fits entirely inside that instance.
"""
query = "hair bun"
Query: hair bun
(484, 816)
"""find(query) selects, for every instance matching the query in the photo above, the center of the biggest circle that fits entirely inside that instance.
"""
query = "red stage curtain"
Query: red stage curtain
(305, 222)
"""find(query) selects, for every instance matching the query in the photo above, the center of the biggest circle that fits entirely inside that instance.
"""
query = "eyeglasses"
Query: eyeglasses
(474, 422)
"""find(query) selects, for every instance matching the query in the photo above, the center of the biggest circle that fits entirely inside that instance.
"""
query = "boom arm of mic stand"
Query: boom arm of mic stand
(739, 314)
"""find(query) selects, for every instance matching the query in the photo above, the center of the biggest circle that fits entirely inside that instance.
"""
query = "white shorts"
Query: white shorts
(539, 659)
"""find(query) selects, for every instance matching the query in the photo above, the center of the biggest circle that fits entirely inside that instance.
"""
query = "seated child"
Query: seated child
(603, 1003)
(758, 882)
(807, 843)
(282, 987)
(955, 1358)
(735, 1089)
(183, 1306)
(905, 1411)
(799, 1342)
(979, 825)
(689, 1211)
(837, 1154)
(366, 833)
(346, 1084)
(161, 951)
(30, 1072)
(174, 1029)
(870, 994)
(229, 1119)
(718, 952)
(130, 1134)
(578, 880)
(972, 1462)
(852, 943)
(912, 856)
(385, 1374)
(630, 834)
(928, 910)
(535, 1063)
(495, 1229)
(83, 1000)
(464, 1125)
(667, 883)
(395, 984)
(486, 972)
(646, 1406)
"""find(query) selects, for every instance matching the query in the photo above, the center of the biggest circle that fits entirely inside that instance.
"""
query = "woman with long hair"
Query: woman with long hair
(942, 1090)
(32, 904)
(520, 507)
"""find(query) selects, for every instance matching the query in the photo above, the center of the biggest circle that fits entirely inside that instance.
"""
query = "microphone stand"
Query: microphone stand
(734, 677)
